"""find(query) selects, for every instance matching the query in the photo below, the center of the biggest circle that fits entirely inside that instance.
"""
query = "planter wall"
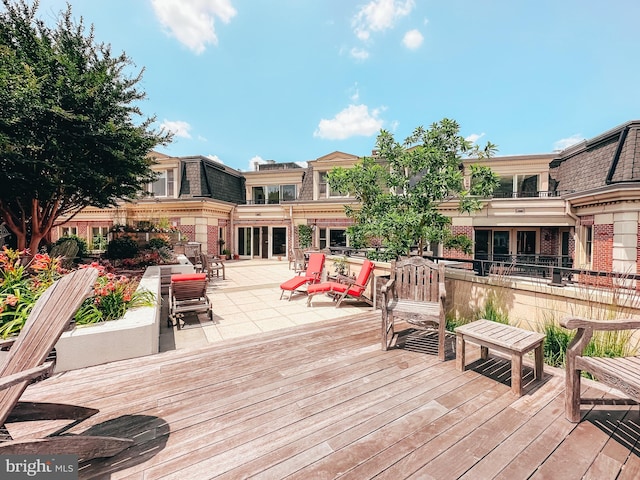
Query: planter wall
(137, 334)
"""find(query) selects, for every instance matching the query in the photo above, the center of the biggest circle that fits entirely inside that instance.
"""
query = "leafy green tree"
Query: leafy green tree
(401, 189)
(68, 139)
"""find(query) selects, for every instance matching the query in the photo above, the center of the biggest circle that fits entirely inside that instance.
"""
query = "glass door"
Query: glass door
(501, 246)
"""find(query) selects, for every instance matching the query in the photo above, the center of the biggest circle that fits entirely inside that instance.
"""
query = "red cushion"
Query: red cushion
(327, 287)
(295, 283)
(185, 277)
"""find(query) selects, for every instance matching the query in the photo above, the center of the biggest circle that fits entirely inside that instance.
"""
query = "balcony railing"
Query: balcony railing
(536, 194)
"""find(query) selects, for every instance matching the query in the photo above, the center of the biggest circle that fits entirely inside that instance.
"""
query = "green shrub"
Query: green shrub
(82, 244)
(158, 243)
(122, 247)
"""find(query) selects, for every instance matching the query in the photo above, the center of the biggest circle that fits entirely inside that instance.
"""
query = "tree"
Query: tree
(401, 189)
(67, 134)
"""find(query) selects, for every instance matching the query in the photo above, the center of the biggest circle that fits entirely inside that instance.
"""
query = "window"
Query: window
(322, 185)
(588, 243)
(324, 191)
(337, 237)
(163, 186)
(527, 185)
(258, 195)
(505, 189)
(68, 231)
(287, 192)
(512, 186)
(273, 194)
(98, 239)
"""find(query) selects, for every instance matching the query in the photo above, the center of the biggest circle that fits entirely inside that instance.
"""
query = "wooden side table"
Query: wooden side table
(506, 339)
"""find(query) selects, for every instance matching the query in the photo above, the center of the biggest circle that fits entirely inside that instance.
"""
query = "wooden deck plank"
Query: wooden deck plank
(323, 401)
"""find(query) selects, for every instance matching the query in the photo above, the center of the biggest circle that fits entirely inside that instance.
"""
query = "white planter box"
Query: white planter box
(135, 335)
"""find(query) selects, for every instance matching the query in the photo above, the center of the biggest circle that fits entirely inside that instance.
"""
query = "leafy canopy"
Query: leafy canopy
(67, 133)
(401, 189)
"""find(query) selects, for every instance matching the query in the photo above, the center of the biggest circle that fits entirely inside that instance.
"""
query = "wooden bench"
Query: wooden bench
(622, 373)
(506, 339)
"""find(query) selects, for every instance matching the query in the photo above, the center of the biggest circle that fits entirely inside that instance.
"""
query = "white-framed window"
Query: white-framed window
(99, 238)
(287, 192)
(164, 184)
(274, 194)
(324, 190)
(588, 244)
(517, 186)
(68, 231)
(332, 237)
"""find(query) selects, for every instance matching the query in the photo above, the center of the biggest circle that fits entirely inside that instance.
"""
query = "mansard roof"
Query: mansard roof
(608, 159)
(203, 177)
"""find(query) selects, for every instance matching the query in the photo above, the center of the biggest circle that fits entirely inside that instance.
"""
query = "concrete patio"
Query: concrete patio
(248, 302)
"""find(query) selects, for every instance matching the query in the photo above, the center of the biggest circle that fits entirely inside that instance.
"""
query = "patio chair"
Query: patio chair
(312, 275)
(345, 287)
(416, 293)
(211, 266)
(621, 373)
(188, 293)
(26, 361)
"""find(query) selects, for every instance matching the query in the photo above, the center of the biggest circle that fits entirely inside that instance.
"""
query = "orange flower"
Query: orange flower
(12, 300)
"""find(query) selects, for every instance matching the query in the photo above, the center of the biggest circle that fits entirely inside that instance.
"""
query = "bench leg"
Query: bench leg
(539, 362)
(460, 353)
(484, 352)
(516, 373)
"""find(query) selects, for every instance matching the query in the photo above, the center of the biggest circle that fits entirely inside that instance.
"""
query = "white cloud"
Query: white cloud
(215, 158)
(178, 128)
(359, 53)
(474, 137)
(567, 142)
(191, 22)
(254, 162)
(379, 15)
(352, 121)
(412, 39)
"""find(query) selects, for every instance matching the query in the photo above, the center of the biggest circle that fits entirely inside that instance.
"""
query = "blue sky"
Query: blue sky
(244, 81)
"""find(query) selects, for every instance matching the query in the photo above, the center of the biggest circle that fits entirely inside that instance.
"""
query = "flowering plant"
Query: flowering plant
(112, 296)
(21, 284)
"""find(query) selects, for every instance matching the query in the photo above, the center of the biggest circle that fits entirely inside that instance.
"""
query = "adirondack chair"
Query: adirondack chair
(416, 293)
(27, 360)
(188, 293)
(345, 287)
(622, 373)
(312, 275)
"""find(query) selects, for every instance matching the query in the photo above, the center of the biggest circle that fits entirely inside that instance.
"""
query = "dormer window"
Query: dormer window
(324, 190)
(163, 186)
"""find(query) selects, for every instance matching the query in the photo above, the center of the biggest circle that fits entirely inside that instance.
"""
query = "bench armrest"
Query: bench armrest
(608, 325)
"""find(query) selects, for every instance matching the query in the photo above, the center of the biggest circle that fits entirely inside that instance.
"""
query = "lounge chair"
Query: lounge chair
(188, 293)
(312, 275)
(345, 287)
(26, 361)
(416, 293)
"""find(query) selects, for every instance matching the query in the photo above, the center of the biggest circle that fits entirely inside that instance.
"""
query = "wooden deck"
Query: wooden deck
(323, 401)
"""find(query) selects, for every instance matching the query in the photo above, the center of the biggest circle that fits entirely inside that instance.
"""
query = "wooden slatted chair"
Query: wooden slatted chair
(622, 373)
(188, 293)
(416, 293)
(211, 266)
(26, 360)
